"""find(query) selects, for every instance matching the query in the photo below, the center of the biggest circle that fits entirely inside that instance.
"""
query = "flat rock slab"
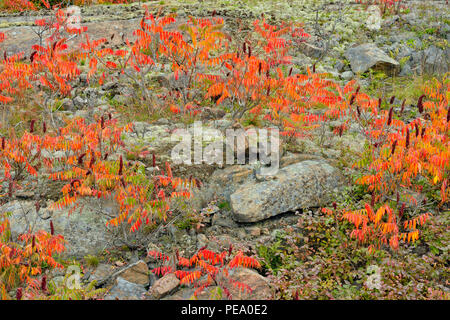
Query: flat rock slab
(20, 39)
(164, 286)
(259, 288)
(209, 293)
(137, 273)
(259, 285)
(298, 186)
(125, 290)
(102, 272)
(368, 55)
(85, 232)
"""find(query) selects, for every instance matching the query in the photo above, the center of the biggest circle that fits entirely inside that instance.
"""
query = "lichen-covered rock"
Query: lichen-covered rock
(347, 75)
(125, 290)
(137, 273)
(164, 286)
(101, 273)
(260, 288)
(368, 55)
(436, 60)
(85, 232)
(301, 185)
(311, 50)
(224, 182)
(209, 293)
(374, 20)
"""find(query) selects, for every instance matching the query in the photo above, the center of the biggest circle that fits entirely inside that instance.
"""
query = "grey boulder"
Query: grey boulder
(368, 55)
(125, 290)
(301, 185)
(85, 232)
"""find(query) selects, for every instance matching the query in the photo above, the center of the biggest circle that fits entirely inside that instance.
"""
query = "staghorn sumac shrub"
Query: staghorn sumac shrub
(14, 80)
(50, 70)
(194, 55)
(18, 5)
(55, 68)
(187, 48)
(54, 64)
(206, 268)
(89, 172)
(90, 2)
(252, 75)
(19, 160)
(137, 60)
(400, 161)
(259, 79)
(85, 162)
(24, 5)
(386, 6)
(85, 152)
(24, 258)
(381, 227)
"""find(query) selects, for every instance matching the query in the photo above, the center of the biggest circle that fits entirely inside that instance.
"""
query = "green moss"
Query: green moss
(92, 261)
(224, 206)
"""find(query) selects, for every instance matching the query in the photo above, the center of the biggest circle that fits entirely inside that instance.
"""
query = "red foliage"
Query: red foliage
(206, 268)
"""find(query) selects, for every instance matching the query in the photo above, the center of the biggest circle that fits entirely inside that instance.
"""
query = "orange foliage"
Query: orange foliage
(401, 157)
(255, 76)
(21, 259)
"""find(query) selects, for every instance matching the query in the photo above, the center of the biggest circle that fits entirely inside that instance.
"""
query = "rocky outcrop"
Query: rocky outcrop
(85, 232)
(138, 273)
(259, 285)
(368, 55)
(374, 20)
(259, 288)
(125, 290)
(302, 185)
(164, 286)
(436, 60)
